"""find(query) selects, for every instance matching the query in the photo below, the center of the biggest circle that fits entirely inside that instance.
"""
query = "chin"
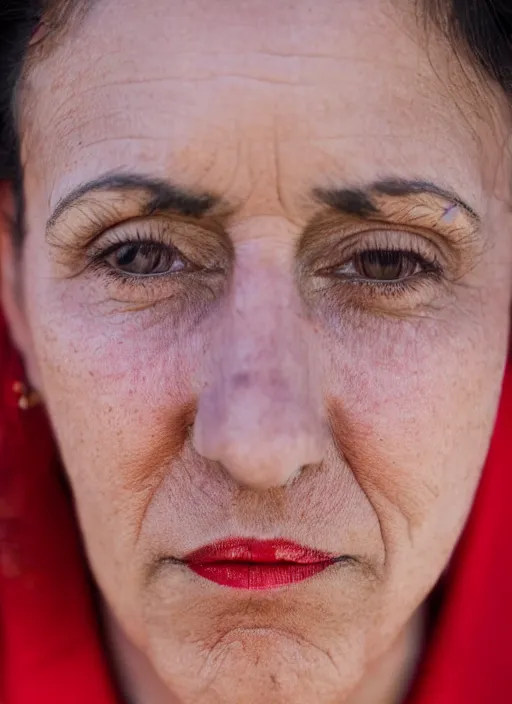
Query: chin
(258, 666)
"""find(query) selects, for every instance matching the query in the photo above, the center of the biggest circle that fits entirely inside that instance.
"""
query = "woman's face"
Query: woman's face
(266, 287)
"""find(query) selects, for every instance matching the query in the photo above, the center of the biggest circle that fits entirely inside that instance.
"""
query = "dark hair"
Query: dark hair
(481, 29)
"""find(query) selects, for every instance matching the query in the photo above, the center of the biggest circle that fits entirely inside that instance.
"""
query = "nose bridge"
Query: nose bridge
(260, 414)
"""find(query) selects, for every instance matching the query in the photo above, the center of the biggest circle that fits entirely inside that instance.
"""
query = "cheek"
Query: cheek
(412, 406)
(121, 397)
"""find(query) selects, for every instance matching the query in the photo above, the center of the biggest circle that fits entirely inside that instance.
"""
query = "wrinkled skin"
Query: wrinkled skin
(268, 384)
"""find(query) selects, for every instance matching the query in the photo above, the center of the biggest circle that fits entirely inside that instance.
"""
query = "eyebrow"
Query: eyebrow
(163, 195)
(361, 201)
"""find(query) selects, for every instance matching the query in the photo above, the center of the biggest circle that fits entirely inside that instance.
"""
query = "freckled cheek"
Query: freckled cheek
(112, 394)
(412, 391)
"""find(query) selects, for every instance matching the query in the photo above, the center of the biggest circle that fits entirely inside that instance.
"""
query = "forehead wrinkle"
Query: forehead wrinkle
(243, 54)
(420, 86)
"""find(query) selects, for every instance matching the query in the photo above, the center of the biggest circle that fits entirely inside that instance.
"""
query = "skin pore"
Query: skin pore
(265, 292)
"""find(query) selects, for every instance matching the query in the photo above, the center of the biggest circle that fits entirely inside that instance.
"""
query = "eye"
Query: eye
(146, 259)
(383, 265)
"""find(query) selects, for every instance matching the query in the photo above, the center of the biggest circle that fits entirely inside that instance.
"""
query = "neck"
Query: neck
(386, 682)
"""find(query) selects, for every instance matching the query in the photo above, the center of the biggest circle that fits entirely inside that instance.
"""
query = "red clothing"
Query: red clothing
(51, 650)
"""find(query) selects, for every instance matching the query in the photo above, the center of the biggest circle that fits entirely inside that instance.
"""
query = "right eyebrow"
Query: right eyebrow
(162, 196)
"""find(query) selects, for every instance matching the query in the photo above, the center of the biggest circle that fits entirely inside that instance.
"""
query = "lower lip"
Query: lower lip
(243, 575)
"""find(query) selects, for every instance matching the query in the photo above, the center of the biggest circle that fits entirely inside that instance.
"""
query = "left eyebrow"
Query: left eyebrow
(162, 196)
(360, 201)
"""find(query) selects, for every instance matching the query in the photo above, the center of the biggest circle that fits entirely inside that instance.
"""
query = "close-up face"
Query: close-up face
(264, 293)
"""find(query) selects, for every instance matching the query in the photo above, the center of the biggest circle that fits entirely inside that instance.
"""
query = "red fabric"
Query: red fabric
(470, 661)
(50, 647)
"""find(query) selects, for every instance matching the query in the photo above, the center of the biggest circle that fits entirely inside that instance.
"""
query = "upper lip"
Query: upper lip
(249, 550)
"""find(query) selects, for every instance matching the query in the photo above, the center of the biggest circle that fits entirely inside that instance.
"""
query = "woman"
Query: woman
(256, 273)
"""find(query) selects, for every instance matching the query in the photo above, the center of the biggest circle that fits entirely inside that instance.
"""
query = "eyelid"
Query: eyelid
(199, 244)
(458, 241)
(91, 216)
(159, 228)
(388, 238)
(118, 236)
(125, 287)
(335, 247)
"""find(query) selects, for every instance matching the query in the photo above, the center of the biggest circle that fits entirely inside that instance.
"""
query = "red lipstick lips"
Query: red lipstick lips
(257, 564)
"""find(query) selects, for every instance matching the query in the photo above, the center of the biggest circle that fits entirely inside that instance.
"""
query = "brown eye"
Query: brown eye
(383, 265)
(146, 259)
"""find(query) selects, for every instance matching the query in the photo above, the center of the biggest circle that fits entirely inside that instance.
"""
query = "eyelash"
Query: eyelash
(432, 271)
(418, 248)
(97, 259)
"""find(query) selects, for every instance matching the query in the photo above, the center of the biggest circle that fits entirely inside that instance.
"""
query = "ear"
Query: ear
(11, 289)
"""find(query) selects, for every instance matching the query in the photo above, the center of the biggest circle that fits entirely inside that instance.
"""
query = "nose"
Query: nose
(260, 414)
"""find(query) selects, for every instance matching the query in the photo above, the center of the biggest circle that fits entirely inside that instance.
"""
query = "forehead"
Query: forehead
(252, 96)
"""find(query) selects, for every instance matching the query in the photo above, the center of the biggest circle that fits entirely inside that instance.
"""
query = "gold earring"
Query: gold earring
(28, 398)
